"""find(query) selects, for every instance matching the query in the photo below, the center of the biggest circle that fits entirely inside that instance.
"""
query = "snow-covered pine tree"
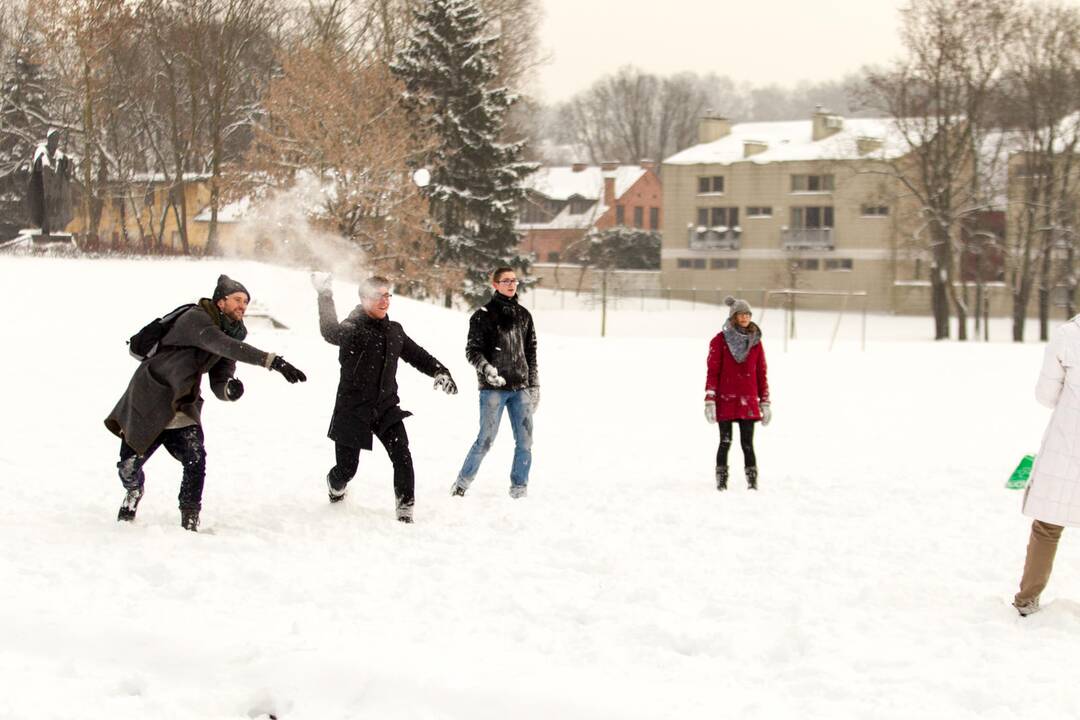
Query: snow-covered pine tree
(446, 66)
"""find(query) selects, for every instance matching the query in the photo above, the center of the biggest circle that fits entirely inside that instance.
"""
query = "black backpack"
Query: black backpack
(144, 344)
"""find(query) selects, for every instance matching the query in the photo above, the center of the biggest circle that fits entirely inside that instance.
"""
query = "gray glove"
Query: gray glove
(766, 412)
(710, 407)
(492, 376)
(444, 382)
(534, 397)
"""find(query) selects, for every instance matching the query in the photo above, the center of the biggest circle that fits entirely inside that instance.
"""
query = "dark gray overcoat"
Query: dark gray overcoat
(171, 380)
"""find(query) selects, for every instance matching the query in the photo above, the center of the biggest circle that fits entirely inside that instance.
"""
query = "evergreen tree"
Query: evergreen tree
(446, 65)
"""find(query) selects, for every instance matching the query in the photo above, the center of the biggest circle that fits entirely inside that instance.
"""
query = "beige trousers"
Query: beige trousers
(1040, 561)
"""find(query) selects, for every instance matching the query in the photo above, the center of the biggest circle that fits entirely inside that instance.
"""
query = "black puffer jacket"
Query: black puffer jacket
(501, 333)
(367, 398)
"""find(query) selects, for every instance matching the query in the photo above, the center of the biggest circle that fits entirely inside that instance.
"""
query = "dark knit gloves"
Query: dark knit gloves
(444, 382)
(292, 374)
(233, 389)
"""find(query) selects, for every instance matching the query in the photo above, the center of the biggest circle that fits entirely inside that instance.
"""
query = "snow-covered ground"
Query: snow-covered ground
(869, 577)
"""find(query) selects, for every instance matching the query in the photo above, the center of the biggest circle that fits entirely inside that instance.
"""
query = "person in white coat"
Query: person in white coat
(1052, 497)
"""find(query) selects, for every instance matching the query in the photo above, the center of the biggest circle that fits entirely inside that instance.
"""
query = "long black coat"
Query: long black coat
(369, 349)
(501, 333)
(169, 382)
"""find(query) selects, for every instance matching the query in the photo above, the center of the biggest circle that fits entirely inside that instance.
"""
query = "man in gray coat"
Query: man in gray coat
(163, 400)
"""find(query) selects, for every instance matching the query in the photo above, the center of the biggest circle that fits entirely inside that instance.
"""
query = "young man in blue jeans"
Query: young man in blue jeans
(502, 348)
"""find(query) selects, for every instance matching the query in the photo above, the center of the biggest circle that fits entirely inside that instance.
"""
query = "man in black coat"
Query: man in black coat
(502, 348)
(163, 402)
(367, 401)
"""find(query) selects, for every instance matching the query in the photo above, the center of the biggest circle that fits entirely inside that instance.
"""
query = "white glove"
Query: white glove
(710, 411)
(492, 376)
(766, 412)
(534, 397)
(323, 282)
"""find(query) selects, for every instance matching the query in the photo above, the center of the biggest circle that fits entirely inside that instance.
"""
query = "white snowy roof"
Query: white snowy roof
(567, 220)
(562, 183)
(792, 141)
(232, 212)
(160, 177)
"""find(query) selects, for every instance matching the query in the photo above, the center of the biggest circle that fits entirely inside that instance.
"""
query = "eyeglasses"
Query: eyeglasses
(507, 282)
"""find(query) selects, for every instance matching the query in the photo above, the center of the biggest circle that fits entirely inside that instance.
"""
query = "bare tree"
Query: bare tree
(1040, 103)
(940, 96)
(332, 118)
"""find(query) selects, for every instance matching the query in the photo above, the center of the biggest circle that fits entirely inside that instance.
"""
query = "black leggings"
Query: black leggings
(746, 440)
(396, 442)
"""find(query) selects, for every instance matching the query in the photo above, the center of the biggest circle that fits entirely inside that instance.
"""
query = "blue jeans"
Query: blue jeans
(518, 405)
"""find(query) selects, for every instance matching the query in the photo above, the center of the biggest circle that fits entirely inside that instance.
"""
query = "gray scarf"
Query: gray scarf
(740, 340)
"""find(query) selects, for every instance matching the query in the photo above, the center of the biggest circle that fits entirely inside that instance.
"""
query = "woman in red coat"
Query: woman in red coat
(737, 388)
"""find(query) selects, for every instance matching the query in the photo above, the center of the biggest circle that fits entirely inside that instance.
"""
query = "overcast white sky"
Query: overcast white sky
(758, 41)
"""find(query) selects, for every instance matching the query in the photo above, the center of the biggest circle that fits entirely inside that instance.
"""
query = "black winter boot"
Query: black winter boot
(130, 504)
(751, 478)
(189, 520)
(336, 494)
(721, 477)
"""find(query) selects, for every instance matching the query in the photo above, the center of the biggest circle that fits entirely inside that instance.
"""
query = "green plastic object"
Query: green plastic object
(1018, 480)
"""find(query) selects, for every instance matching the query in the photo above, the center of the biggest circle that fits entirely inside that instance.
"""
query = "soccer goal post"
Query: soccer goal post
(790, 297)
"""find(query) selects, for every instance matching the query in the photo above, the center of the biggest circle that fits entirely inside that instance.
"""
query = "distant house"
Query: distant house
(564, 203)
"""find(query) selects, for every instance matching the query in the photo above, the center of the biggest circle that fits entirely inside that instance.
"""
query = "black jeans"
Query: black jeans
(396, 442)
(746, 440)
(186, 445)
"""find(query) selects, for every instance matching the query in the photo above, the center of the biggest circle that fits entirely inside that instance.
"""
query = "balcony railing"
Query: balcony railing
(807, 239)
(715, 238)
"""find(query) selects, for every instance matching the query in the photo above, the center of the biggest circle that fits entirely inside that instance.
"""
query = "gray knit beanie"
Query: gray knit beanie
(227, 286)
(738, 305)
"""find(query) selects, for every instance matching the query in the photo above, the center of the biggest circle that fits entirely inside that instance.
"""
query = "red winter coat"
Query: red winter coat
(739, 387)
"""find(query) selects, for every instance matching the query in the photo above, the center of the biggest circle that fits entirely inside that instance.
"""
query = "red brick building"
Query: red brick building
(564, 203)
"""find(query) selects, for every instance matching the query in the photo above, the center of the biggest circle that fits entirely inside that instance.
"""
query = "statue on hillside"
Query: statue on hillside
(50, 186)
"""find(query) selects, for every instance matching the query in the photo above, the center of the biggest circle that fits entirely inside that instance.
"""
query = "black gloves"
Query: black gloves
(444, 382)
(233, 389)
(291, 373)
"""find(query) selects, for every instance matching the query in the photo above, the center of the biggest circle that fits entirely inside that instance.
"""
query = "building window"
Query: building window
(691, 263)
(639, 217)
(812, 183)
(535, 212)
(724, 264)
(839, 264)
(620, 215)
(580, 205)
(553, 257)
(654, 218)
(758, 211)
(875, 210)
(812, 217)
(727, 217)
(710, 184)
(806, 264)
